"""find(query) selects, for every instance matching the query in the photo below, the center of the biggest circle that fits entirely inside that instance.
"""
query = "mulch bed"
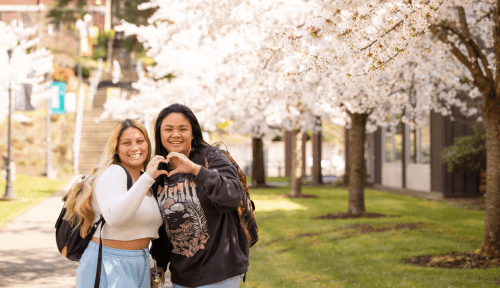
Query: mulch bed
(366, 228)
(347, 215)
(455, 260)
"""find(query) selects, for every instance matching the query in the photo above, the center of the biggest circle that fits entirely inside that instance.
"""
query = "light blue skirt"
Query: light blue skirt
(120, 268)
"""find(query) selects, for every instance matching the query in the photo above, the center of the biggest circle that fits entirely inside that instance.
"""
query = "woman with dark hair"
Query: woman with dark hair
(202, 237)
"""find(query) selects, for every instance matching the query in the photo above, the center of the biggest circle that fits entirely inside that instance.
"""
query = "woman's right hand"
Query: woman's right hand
(152, 168)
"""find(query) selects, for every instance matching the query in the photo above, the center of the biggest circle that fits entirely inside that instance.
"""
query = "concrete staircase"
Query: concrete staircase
(95, 132)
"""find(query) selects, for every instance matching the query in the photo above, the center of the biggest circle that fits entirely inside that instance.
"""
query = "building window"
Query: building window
(420, 143)
(394, 143)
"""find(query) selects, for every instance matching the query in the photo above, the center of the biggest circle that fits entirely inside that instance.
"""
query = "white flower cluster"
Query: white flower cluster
(227, 63)
(378, 32)
(17, 63)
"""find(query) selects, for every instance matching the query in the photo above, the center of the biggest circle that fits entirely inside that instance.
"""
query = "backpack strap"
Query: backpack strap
(101, 221)
(130, 182)
(99, 258)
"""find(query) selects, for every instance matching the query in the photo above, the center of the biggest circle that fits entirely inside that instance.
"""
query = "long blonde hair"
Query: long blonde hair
(78, 199)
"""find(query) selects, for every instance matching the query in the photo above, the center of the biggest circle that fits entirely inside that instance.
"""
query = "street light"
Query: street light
(9, 191)
(83, 31)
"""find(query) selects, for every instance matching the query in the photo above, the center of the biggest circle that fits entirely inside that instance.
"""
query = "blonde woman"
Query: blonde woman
(132, 216)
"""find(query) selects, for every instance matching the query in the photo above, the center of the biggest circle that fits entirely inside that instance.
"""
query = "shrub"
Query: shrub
(99, 52)
(35, 161)
(30, 139)
(85, 71)
(61, 150)
(467, 154)
(62, 74)
(18, 145)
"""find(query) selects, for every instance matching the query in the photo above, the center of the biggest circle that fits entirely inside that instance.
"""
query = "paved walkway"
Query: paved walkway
(28, 253)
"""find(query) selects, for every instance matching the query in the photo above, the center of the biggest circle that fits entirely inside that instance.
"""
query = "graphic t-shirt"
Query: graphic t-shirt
(187, 223)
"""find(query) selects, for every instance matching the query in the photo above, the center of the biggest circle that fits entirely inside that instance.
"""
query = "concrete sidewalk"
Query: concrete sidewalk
(28, 252)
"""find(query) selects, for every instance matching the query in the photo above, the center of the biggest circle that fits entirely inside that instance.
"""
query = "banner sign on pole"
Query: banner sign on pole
(57, 98)
(22, 96)
(86, 46)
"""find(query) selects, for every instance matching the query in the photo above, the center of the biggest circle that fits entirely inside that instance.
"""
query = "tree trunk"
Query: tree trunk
(288, 152)
(296, 175)
(347, 167)
(258, 176)
(316, 148)
(357, 171)
(491, 245)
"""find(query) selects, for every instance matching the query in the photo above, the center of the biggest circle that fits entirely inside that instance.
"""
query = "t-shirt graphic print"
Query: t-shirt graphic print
(186, 222)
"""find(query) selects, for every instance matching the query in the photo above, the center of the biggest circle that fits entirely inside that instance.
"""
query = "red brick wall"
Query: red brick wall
(35, 2)
(8, 16)
(64, 40)
(18, 2)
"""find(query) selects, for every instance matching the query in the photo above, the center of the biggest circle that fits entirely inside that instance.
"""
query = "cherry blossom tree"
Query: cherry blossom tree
(380, 32)
(470, 32)
(17, 62)
(226, 60)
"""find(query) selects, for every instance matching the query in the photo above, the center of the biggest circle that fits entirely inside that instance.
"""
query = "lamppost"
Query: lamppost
(48, 164)
(9, 191)
(83, 31)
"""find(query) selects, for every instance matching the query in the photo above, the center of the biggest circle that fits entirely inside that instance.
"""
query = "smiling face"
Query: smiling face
(132, 148)
(176, 133)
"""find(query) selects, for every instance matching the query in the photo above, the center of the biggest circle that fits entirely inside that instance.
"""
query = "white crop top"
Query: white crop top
(129, 214)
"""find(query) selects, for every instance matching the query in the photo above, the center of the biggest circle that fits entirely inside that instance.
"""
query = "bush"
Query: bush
(99, 52)
(85, 71)
(62, 74)
(467, 154)
(61, 150)
(31, 139)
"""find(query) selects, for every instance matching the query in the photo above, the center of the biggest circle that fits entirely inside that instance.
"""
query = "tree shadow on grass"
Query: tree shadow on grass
(353, 230)
(347, 215)
(296, 197)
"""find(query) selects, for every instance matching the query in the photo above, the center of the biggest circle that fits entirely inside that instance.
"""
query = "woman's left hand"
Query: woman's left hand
(184, 164)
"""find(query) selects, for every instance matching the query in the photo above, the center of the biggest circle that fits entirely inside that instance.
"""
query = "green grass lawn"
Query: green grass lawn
(294, 250)
(29, 191)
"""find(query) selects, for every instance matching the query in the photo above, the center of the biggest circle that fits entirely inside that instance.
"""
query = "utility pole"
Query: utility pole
(83, 30)
(107, 28)
(48, 163)
(9, 190)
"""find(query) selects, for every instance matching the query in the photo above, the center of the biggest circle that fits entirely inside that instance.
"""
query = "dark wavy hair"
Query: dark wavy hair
(197, 141)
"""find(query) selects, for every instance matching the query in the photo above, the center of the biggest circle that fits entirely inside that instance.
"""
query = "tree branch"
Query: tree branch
(466, 40)
(383, 35)
(473, 49)
(476, 72)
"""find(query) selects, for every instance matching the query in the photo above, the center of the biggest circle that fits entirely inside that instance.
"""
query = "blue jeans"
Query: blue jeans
(119, 269)
(233, 282)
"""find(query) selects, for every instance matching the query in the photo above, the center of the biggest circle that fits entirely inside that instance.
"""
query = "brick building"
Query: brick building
(57, 37)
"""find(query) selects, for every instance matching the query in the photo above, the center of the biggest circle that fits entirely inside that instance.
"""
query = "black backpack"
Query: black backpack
(245, 211)
(69, 241)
